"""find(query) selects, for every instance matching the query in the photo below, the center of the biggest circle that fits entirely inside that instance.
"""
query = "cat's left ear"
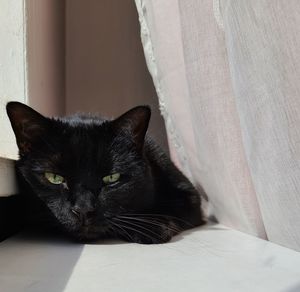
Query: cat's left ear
(28, 125)
(136, 122)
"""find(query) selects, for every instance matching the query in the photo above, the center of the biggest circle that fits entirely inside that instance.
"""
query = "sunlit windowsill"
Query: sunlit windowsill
(211, 258)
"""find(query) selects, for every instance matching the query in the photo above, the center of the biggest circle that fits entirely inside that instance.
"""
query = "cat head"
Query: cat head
(84, 169)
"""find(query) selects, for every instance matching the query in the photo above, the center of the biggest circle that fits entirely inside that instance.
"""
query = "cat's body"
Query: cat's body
(95, 178)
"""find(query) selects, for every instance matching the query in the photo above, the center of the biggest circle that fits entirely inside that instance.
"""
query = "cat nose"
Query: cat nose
(84, 216)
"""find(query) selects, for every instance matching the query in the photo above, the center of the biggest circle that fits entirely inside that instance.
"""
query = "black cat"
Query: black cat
(96, 178)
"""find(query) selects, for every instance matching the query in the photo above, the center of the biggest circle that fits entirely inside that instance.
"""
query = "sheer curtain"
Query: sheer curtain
(226, 73)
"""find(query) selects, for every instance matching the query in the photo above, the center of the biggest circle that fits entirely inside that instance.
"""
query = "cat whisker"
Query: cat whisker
(138, 231)
(123, 231)
(160, 216)
(154, 222)
(138, 226)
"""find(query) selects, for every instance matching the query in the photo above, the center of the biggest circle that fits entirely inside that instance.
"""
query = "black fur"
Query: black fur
(150, 203)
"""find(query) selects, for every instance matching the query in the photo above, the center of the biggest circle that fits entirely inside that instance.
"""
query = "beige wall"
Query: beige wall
(105, 65)
(46, 55)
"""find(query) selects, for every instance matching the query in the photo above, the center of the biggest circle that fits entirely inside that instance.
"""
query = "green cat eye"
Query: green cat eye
(54, 178)
(112, 178)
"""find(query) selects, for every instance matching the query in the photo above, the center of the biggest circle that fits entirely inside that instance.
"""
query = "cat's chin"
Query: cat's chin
(89, 234)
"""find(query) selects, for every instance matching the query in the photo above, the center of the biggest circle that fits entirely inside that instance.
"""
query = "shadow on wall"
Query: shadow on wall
(106, 70)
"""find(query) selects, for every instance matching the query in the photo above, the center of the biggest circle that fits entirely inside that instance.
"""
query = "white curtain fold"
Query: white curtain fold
(226, 75)
(263, 40)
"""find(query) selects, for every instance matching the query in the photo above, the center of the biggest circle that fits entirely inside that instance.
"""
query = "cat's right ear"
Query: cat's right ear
(28, 125)
(135, 122)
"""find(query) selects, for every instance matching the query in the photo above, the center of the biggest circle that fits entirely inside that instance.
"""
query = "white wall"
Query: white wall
(13, 74)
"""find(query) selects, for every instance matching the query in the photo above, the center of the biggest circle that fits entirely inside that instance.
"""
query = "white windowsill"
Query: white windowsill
(212, 258)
